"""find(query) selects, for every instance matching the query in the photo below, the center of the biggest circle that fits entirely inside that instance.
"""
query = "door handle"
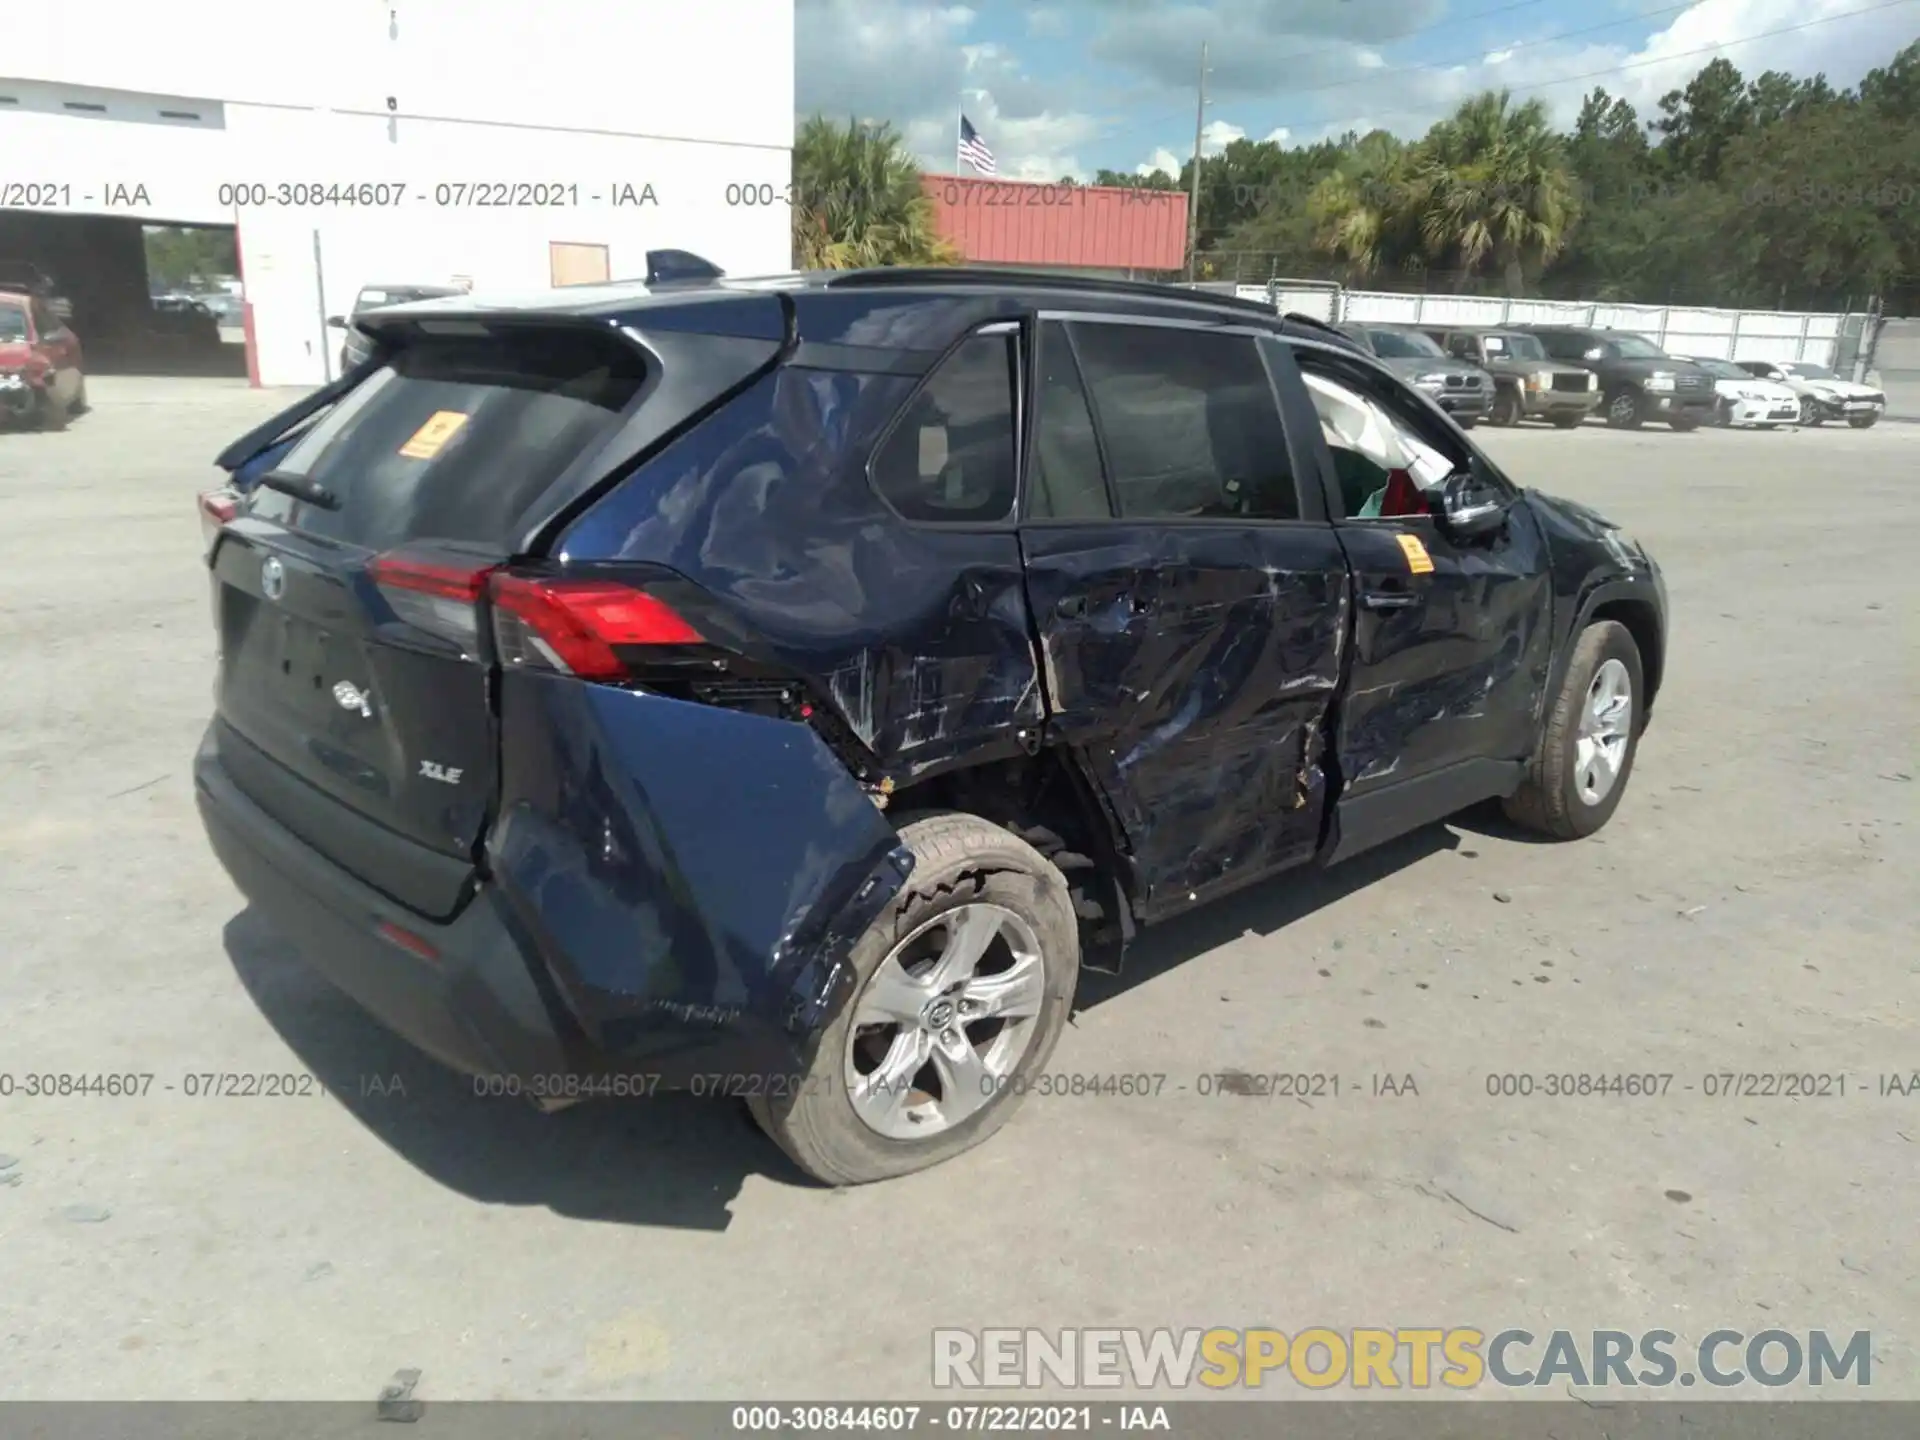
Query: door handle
(1071, 607)
(1388, 599)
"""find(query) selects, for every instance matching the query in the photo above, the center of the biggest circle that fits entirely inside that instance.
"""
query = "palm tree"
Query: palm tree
(857, 201)
(1359, 213)
(1491, 187)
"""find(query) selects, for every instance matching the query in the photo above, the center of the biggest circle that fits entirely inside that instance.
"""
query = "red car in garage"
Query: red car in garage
(41, 375)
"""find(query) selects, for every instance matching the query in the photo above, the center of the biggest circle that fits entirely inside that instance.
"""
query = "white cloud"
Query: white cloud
(1163, 160)
(1497, 57)
(1046, 21)
(1216, 135)
(911, 64)
(1277, 136)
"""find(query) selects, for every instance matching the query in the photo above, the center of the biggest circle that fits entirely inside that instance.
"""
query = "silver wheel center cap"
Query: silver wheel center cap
(939, 1015)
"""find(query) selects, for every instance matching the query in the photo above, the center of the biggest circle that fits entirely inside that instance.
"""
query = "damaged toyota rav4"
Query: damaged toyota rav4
(785, 688)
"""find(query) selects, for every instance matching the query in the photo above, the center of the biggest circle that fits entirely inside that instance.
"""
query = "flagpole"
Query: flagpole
(959, 128)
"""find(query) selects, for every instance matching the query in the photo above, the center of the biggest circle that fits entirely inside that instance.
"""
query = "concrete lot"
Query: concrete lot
(1752, 908)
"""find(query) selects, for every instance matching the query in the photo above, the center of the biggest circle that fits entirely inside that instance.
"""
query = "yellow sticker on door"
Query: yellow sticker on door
(431, 437)
(1418, 561)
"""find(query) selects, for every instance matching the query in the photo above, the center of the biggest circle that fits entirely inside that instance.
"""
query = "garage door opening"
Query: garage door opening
(143, 299)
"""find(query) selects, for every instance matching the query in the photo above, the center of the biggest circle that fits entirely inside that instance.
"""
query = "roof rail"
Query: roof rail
(1039, 279)
(1333, 332)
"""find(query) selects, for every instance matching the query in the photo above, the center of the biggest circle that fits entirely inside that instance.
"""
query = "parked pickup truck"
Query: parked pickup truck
(782, 689)
(1528, 383)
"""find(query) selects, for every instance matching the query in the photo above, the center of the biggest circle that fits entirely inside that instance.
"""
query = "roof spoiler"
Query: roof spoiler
(681, 267)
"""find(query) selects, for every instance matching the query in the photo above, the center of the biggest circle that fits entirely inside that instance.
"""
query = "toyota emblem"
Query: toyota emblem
(273, 578)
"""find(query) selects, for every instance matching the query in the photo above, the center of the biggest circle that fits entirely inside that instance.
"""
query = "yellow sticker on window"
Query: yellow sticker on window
(1418, 561)
(431, 437)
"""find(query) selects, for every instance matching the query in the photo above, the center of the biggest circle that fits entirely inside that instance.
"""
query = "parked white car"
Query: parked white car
(1825, 395)
(1746, 399)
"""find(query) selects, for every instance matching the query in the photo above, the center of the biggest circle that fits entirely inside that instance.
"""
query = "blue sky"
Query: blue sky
(1069, 86)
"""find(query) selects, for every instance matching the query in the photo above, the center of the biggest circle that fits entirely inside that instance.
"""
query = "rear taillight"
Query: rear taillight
(577, 627)
(438, 596)
(217, 507)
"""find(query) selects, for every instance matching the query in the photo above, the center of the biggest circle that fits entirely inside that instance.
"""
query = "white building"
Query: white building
(508, 143)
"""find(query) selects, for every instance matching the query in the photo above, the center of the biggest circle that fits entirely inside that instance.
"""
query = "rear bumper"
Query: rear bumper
(486, 1004)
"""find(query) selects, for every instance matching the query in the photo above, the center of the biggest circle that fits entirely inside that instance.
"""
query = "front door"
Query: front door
(1451, 640)
(1188, 604)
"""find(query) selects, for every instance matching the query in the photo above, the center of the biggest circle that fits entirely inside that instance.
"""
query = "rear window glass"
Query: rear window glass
(454, 439)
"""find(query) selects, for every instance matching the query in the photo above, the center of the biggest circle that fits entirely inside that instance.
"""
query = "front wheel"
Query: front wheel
(1723, 415)
(1862, 422)
(1580, 771)
(1466, 422)
(1623, 410)
(964, 985)
(1567, 422)
(1506, 407)
(1683, 423)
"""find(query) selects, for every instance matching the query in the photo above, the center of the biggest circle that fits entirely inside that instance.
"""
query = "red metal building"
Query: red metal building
(1100, 229)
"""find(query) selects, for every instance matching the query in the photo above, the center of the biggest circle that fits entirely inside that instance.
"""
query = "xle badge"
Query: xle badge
(1418, 561)
(446, 775)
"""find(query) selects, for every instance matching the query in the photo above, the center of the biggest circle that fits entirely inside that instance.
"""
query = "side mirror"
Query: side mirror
(1468, 508)
(336, 322)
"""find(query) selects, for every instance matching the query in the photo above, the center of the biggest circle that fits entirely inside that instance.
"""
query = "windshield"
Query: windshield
(1636, 347)
(1403, 345)
(1810, 372)
(1516, 347)
(13, 323)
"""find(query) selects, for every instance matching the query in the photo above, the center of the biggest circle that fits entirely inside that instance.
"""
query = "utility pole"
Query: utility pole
(1193, 200)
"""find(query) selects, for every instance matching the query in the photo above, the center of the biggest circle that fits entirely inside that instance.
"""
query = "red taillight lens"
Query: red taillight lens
(217, 507)
(436, 595)
(574, 626)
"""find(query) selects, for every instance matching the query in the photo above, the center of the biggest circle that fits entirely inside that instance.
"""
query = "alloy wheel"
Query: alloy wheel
(1606, 725)
(944, 1020)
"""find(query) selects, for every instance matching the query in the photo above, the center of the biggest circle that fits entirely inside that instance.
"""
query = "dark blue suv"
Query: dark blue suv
(780, 689)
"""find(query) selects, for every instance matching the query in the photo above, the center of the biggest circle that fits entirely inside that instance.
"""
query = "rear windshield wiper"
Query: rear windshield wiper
(301, 488)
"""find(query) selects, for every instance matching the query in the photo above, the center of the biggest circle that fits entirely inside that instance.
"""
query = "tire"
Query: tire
(1861, 422)
(1684, 424)
(80, 405)
(1568, 422)
(1466, 422)
(963, 863)
(1623, 409)
(1723, 415)
(1506, 407)
(1551, 800)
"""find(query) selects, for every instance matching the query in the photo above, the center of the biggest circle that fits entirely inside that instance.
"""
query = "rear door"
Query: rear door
(1189, 605)
(353, 703)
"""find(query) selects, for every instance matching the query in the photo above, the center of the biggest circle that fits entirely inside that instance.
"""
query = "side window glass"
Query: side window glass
(1386, 464)
(1461, 347)
(951, 456)
(1065, 480)
(1190, 423)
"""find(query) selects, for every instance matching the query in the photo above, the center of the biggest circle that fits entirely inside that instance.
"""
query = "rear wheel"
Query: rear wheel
(964, 985)
(1580, 771)
(1623, 409)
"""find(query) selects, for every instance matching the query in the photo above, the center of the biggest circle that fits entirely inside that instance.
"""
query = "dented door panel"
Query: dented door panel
(916, 636)
(683, 868)
(1458, 674)
(1192, 666)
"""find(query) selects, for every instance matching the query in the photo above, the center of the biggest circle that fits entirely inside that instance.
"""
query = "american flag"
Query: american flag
(973, 150)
